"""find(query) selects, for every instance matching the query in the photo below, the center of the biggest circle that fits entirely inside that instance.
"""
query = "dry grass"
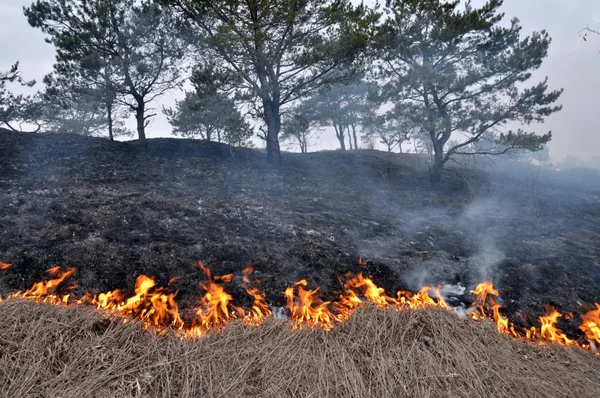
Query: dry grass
(75, 352)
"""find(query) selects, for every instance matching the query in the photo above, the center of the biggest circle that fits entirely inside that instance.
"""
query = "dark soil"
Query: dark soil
(117, 210)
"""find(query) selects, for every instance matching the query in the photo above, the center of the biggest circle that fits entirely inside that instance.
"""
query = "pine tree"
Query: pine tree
(276, 52)
(212, 118)
(14, 107)
(455, 72)
(126, 49)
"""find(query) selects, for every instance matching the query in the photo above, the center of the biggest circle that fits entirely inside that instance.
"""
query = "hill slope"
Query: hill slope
(116, 210)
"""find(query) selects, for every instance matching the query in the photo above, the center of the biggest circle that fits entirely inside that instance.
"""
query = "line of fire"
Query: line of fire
(158, 311)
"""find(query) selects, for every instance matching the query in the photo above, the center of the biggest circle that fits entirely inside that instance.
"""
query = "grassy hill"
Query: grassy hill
(115, 210)
(118, 210)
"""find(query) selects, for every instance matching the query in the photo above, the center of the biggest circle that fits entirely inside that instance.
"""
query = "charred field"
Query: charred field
(118, 210)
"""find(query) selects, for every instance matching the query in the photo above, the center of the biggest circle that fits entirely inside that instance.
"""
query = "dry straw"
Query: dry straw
(48, 351)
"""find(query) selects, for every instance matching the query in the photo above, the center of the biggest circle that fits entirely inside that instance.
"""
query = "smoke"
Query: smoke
(487, 258)
(481, 218)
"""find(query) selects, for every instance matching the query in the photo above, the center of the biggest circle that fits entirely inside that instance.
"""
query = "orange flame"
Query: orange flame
(4, 265)
(309, 309)
(548, 330)
(360, 286)
(158, 310)
(46, 290)
(482, 291)
(591, 324)
(260, 309)
(150, 304)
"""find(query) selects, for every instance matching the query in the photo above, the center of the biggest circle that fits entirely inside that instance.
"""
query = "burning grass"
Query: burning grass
(159, 311)
(57, 351)
(408, 345)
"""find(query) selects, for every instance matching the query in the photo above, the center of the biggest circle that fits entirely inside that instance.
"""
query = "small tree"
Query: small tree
(390, 131)
(212, 118)
(276, 52)
(297, 128)
(66, 108)
(451, 71)
(339, 106)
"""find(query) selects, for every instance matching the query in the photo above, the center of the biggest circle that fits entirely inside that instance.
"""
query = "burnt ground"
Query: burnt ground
(116, 210)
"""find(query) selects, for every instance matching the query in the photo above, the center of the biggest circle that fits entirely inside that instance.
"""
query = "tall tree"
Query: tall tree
(125, 47)
(276, 52)
(461, 72)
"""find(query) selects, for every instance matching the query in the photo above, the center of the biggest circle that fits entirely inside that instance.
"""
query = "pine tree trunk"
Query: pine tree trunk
(339, 133)
(435, 171)
(273, 121)
(110, 98)
(139, 117)
(110, 120)
(354, 136)
(349, 138)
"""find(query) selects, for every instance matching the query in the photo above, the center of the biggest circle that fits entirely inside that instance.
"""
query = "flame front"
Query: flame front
(157, 309)
(484, 305)
(46, 291)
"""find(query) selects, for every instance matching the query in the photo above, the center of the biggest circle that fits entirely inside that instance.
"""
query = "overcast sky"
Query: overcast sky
(572, 64)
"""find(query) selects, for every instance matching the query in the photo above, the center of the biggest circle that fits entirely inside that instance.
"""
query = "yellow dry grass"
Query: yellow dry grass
(76, 352)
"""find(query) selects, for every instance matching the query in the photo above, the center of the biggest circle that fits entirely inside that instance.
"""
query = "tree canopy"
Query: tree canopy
(444, 74)
(212, 118)
(340, 106)
(126, 48)
(454, 72)
(273, 53)
(296, 127)
(13, 107)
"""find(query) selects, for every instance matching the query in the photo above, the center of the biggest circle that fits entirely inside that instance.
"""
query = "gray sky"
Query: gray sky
(572, 64)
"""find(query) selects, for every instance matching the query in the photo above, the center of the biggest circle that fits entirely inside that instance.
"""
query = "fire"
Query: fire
(358, 285)
(150, 304)
(482, 291)
(47, 290)
(422, 299)
(590, 324)
(484, 305)
(548, 331)
(156, 307)
(260, 309)
(309, 308)
(4, 265)
(216, 306)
